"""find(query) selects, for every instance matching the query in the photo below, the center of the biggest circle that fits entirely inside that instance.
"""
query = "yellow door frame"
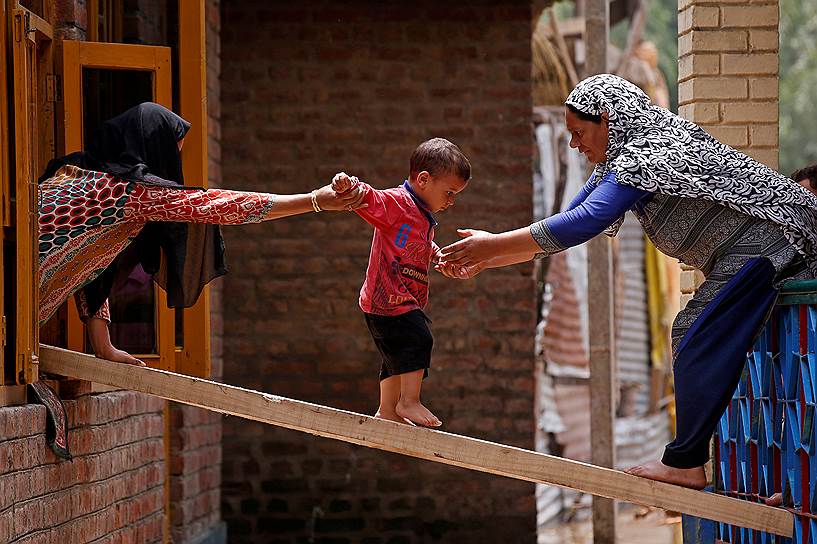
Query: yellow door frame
(76, 56)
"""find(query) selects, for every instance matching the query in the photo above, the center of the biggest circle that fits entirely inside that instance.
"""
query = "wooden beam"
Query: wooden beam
(438, 446)
(600, 290)
(194, 357)
(569, 27)
(567, 58)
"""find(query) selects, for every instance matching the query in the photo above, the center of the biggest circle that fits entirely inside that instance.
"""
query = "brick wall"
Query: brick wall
(112, 491)
(144, 21)
(728, 80)
(728, 69)
(310, 89)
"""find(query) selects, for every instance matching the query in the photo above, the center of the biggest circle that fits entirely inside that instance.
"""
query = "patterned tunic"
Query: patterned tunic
(87, 218)
(716, 240)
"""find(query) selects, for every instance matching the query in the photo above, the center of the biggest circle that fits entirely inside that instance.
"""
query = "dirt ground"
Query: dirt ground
(636, 525)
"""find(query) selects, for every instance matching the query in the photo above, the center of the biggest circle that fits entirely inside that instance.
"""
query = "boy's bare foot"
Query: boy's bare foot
(694, 478)
(392, 417)
(774, 500)
(417, 413)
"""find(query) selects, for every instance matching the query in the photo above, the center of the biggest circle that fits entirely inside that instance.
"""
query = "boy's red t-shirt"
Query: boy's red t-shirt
(402, 247)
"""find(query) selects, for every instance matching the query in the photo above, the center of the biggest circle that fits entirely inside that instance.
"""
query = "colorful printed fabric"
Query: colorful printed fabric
(87, 218)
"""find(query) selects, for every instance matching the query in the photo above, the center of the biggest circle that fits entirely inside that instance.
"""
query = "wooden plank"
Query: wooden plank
(71, 97)
(92, 32)
(420, 442)
(41, 28)
(121, 56)
(165, 317)
(569, 27)
(567, 58)
(194, 357)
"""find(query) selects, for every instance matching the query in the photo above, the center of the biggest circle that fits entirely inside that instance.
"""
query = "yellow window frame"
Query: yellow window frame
(194, 356)
(30, 42)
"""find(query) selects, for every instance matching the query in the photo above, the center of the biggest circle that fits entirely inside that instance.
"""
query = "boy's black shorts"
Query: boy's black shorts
(404, 341)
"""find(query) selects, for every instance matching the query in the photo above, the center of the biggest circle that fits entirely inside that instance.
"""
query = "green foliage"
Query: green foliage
(662, 29)
(798, 85)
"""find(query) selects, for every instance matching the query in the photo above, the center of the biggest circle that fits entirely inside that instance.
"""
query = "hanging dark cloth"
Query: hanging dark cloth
(141, 145)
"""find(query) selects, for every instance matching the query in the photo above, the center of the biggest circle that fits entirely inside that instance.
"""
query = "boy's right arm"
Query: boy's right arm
(380, 209)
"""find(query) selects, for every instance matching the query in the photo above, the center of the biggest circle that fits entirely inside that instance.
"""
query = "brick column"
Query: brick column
(728, 79)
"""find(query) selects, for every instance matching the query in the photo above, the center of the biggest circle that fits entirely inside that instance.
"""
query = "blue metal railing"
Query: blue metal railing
(765, 441)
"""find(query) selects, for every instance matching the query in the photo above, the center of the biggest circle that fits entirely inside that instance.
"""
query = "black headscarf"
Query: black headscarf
(141, 145)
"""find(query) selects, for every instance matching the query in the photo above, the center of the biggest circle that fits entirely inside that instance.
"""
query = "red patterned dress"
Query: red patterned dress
(87, 218)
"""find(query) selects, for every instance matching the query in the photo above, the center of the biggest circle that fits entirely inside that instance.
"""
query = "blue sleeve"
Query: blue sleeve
(583, 193)
(601, 208)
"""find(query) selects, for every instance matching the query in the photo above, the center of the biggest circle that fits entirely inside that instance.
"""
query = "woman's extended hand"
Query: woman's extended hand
(350, 199)
(476, 247)
(458, 272)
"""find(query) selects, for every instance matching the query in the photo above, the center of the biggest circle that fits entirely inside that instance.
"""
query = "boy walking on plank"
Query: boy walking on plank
(396, 287)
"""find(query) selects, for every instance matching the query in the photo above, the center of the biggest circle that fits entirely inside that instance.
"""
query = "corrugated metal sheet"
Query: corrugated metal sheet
(632, 319)
(573, 403)
(641, 438)
(563, 400)
(563, 341)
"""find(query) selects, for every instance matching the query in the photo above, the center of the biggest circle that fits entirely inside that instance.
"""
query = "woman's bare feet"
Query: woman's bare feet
(417, 413)
(694, 478)
(774, 500)
(120, 356)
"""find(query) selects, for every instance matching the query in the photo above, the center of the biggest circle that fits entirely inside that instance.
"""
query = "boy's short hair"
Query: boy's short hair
(439, 156)
(809, 173)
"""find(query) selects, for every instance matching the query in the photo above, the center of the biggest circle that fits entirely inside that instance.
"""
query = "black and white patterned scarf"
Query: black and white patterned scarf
(652, 149)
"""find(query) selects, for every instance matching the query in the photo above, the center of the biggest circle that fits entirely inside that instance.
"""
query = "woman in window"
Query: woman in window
(123, 202)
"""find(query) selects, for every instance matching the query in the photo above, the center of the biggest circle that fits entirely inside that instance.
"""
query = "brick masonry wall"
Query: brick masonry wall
(112, 491)
(313, 88)
(195, 437)
(728, 72)
(728, 80)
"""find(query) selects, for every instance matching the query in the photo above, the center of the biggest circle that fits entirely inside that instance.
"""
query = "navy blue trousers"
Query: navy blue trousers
(710, 357)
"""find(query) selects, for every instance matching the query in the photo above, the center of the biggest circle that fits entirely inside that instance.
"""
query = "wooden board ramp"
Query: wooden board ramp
(438, 446)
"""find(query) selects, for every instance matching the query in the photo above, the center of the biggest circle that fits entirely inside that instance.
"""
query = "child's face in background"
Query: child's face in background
(809, 184)
(439, 191)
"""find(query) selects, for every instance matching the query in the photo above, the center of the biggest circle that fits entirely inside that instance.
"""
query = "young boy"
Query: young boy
(807, 177)
(396, 288)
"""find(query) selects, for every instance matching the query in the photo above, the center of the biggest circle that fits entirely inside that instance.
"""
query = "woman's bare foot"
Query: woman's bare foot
(417, 413)
(382, 414)
(774, 500)
(694, 478)
(119, 356)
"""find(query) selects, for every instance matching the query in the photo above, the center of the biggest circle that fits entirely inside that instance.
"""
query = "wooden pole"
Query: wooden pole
(561, 47)
(420, 442)
(600, 287)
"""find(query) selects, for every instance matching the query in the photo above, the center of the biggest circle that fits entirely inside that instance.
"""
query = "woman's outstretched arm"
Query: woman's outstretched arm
(228, 207)
(607, 202)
